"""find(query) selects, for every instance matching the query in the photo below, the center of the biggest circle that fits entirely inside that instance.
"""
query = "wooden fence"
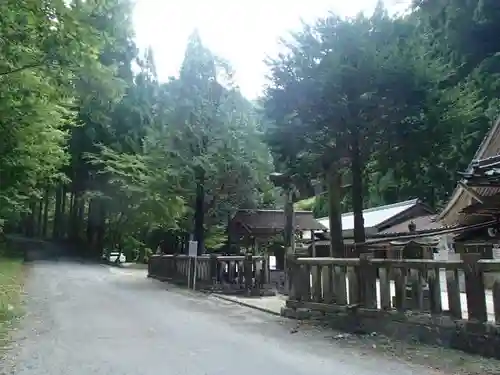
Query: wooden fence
(402, 285)
(224, 274)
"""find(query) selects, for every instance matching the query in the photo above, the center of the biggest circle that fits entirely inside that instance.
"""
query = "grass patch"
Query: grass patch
(11, 285)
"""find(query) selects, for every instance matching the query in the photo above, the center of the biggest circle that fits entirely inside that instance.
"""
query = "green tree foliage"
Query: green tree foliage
(403, 100)
(93, 144)
(211, 131)
(42, 46)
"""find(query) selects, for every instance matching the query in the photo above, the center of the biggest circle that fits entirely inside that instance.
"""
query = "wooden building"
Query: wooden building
(475, 186)
(476, 200)
(382, 218)
(383, 222)
(254, 228)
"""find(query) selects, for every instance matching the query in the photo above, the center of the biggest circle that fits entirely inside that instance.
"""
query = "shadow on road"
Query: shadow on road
(33, 249)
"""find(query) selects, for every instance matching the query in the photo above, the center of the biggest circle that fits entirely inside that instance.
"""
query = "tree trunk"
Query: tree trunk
(56, 227)
(77, 214)
(39, 212)
(101, 227)
(289, 235)
(72, 215)
(199, 215)
(45, 212)
(62, 229)
(289, 222)
(230, 234)
(118, 236)
(92, 223)
(334, 212)
(30, 220)
(80, 215)
(118, 241)
(357, 193)
(95, 226)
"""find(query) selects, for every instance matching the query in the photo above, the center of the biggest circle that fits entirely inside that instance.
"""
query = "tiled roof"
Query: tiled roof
(401, 238)
(375, 216)
(275, 220)
(421, 223)
(490, 146)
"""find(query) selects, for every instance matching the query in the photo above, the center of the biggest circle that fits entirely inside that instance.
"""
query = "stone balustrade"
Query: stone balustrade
(247, 275)
(401, 297)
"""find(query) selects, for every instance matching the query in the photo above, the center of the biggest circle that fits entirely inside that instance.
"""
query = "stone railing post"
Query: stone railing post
(151, 260)
(213, 269)
(149, 267)
(264, 272)
(247, 268)
(294, 277)
(159, 266)
(168, 264)
(174, 268)
(367, 275)
(474, 288)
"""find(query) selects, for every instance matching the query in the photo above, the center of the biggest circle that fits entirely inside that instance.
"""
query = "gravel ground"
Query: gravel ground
(91, 319)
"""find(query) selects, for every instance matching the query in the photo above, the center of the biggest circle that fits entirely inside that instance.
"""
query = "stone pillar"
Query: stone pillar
(313, 245)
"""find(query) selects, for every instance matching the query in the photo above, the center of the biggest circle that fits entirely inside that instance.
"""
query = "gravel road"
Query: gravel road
(89, 319)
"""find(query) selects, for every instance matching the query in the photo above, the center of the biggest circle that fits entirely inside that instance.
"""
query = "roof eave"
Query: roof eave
(459, 191)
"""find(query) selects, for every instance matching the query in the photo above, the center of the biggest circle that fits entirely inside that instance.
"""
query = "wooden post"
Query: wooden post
(474, 288)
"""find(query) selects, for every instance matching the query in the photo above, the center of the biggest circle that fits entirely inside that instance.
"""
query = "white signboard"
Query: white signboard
(193, 248)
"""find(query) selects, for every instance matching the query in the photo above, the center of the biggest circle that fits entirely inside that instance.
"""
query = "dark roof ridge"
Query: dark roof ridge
(272, 210)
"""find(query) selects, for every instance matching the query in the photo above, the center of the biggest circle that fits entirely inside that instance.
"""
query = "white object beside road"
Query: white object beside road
(112, 257)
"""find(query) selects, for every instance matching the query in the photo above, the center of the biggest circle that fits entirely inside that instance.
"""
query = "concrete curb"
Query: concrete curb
(218, 296)
(263, 309)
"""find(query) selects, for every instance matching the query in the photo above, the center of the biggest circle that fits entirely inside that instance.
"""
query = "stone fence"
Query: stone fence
(248, 275)
(420, 299)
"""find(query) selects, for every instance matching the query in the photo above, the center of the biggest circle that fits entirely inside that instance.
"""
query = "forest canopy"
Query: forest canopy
(96, 149)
